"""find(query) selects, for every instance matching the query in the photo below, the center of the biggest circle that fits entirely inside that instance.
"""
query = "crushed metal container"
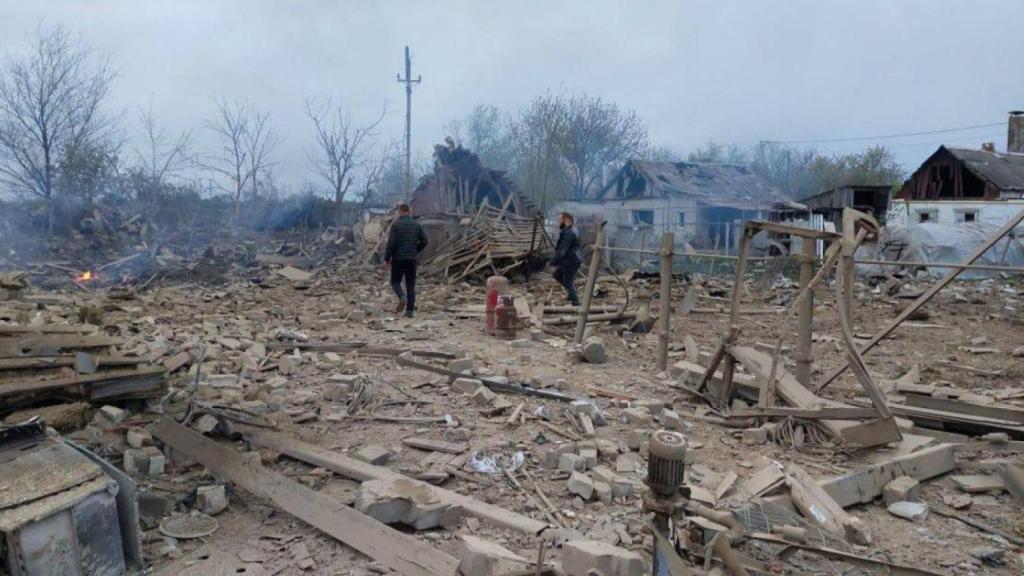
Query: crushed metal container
(63, 511)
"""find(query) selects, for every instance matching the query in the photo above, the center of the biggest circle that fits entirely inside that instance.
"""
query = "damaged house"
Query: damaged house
(956, 199)
(704, 205)
(475, 219)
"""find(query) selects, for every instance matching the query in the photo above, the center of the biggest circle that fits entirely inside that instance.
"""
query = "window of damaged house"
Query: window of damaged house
(966, 216)
(680, 219)
(924, 216)
(643, 217)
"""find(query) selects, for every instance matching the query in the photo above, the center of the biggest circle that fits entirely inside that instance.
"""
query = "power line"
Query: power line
(975, 138)
(886, 136)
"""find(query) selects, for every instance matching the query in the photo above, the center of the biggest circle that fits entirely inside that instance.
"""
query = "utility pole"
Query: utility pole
(408, 81)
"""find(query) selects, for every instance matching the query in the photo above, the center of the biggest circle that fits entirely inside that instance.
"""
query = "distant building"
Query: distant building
(870, 199)
(959, 185)
(704, 205)
(956, 199)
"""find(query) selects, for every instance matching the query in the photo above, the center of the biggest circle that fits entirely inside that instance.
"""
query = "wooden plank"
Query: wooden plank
(956, 421)
(797, 395)
(45, 344)
(965, 408)
(762, 481)
(814, 502)
(398, 551)
(65, 360)
(47, 329)
(823, 413)
(864, 485)
(926, 296)
(361, 471)
(88, 380)
(435, 445)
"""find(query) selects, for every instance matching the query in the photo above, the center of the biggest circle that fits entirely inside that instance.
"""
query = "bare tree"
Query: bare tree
(231, 126)
(537, 134)
(596, 134)
(340, 150)
(260, 142)
(161, 155)
(51, 107)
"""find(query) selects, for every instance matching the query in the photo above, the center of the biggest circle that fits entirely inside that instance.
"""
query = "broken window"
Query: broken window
(967, 216)
(643, 217)
(681, 219)
(927, 216)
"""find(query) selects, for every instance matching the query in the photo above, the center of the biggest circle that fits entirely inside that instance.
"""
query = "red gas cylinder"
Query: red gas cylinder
(496, 286)
(505, 318)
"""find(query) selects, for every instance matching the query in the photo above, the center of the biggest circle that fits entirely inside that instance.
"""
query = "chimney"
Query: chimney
(1015, 133)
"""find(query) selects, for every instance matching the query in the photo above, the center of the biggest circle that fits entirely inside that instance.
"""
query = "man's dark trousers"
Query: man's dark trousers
(404, 269)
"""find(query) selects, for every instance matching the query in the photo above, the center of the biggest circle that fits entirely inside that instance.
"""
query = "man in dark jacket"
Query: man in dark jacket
(567, 256)
(405, 242)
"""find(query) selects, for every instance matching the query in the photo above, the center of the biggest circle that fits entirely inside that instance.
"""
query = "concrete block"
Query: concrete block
(901, 489)
(670, 420)
(373, 454)
(603, 491)
(135, 462)
(483, 396)
(580, 557)
(638, 416)
(138, 438)
(460, 364)
(581, 485)
(211, 500)
(400, 500)
(637, 437)
(571, 463)
(755, 436)
(112, 415)
(589, 456)
(551, 459)
(466, 385)
(479, 557)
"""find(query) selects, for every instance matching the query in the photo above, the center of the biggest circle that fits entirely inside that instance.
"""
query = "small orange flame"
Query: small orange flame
(85, 276)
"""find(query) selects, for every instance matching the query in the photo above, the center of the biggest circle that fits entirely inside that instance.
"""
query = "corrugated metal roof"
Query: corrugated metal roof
(1006, 171)
(717, 184)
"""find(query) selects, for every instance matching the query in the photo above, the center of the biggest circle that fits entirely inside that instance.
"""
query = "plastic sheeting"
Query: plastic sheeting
(945, 244)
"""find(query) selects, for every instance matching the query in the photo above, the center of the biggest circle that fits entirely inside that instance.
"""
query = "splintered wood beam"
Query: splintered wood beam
(928, 294)
(361, 471)
(393, 549)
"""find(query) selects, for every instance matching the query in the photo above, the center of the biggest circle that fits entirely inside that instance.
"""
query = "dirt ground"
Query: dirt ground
(350, 305)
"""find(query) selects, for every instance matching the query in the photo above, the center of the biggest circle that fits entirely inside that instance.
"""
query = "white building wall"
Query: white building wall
(908, 213)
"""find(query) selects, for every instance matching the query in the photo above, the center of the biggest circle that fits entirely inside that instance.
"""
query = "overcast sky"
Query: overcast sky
(732, 71)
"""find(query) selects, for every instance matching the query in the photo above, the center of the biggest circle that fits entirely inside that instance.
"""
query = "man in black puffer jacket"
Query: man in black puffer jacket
(405, 242)
(567, 256)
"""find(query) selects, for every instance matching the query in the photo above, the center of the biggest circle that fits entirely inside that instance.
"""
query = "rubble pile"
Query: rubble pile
(284, 421)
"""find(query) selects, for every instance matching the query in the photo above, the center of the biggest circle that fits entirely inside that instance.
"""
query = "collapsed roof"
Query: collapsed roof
(461, 183)
(1005, 171)
(711, 184)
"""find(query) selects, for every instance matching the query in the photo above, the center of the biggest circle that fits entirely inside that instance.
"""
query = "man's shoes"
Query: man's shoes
(400, 306)
(408, 313)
